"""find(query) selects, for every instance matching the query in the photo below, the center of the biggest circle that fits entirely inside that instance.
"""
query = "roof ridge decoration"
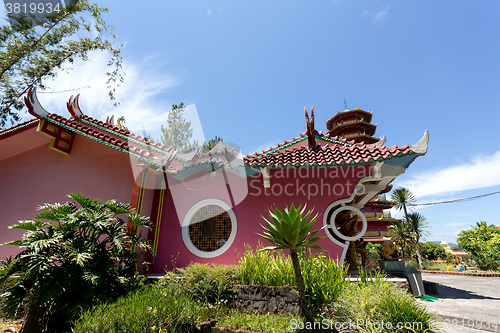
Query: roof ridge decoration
(34, 106)
(377, 144)
(73, 107)
(311, 140)
(420, 147)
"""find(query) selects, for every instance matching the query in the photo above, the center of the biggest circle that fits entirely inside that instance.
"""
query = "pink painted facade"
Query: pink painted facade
(205, 207)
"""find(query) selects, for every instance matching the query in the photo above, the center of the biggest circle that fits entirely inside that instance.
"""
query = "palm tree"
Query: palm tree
(401, 235)
(287, 229)
(402, 198)
(417, 224)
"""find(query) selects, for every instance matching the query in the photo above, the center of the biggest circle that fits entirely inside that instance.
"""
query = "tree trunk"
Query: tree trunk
(32, 319)
(300, 285)
(419, 256)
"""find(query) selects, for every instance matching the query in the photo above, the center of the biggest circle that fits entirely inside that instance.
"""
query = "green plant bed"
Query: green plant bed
(148, 309)
(324, 279)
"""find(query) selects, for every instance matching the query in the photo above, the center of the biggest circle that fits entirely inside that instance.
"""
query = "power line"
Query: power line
(57, 92)
(456, 200)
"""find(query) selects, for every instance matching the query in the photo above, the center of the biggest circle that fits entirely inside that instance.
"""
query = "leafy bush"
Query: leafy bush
(148, 309)
(73, 257)
(483, 242)
(432, 251)
(206, 283)
(377, 301)
(323, 278)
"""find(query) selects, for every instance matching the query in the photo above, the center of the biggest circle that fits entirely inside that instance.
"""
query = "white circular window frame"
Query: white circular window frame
(332, 226)
(187, 222)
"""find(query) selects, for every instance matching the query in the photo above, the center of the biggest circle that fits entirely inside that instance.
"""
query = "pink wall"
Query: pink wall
(42, 175)
(304, 188)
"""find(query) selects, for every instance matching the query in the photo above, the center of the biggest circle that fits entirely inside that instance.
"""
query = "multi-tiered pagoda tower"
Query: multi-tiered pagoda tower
(356, 125)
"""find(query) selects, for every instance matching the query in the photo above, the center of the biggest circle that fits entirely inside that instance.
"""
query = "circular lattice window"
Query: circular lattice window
(209, 228)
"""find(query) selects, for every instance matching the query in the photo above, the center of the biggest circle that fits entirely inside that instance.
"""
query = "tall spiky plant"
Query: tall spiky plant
(289, 229)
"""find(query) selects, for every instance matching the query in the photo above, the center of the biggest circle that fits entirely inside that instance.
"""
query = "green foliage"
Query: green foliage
(72, 258)
(207, 146)
(417, 225)
(401, 236)
(289, 229)
(373, 250)
(267, 323)
(403, 199)
(179, 132)
(30, 55)
(211, 284)
(146, 310)
(483, 242)
(432, 251)
(379, 301)
(323, 278)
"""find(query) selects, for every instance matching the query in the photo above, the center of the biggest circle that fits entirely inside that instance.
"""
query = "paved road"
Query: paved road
(470, 301)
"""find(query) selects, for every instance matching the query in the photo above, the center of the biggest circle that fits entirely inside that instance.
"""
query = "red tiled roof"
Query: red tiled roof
(17, 127)
(303, 136)
(106, 132)
(327, 155)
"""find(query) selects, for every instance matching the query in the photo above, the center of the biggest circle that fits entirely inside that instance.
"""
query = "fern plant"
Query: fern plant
(73, 257)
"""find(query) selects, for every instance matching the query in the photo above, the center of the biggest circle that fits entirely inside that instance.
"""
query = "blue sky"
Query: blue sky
(247, 69)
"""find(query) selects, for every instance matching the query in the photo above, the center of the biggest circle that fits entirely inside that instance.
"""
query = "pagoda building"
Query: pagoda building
(352, 125)
(355, 125)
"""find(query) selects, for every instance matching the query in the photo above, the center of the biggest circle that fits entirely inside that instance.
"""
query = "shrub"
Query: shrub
(73, 257)
(432, 251)
(211, 284)
(377, 301)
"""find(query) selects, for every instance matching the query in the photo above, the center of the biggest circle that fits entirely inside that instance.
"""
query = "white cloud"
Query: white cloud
(141, 96)
(456, 224)
(377, 17)
(480, 172)
(263, 146)
(209, 11)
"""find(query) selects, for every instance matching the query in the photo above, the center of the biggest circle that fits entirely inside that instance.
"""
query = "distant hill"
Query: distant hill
(450, 244)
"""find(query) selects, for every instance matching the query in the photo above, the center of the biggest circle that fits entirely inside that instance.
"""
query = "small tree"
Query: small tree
(207, 146)
(401, 237)
(483, 242)
(402, 198)
(72, 258)
(179, 132)
(29, 56)
(417, 225)
(289, 229)
(432, 251)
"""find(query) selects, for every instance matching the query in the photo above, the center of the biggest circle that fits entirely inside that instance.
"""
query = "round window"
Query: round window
(209, 228)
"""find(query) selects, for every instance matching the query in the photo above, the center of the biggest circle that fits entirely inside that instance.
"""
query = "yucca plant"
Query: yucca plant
(289, 229)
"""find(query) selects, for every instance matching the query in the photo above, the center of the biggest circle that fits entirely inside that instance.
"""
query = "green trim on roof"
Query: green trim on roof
(303, 138)
(128, 138)
(104, 143)
(18, 127)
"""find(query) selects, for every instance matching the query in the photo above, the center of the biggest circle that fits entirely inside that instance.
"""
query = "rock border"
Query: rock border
(462, 273)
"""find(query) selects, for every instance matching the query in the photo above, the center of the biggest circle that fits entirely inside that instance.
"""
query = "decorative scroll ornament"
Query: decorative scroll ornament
(34, 107)
(74, 107)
